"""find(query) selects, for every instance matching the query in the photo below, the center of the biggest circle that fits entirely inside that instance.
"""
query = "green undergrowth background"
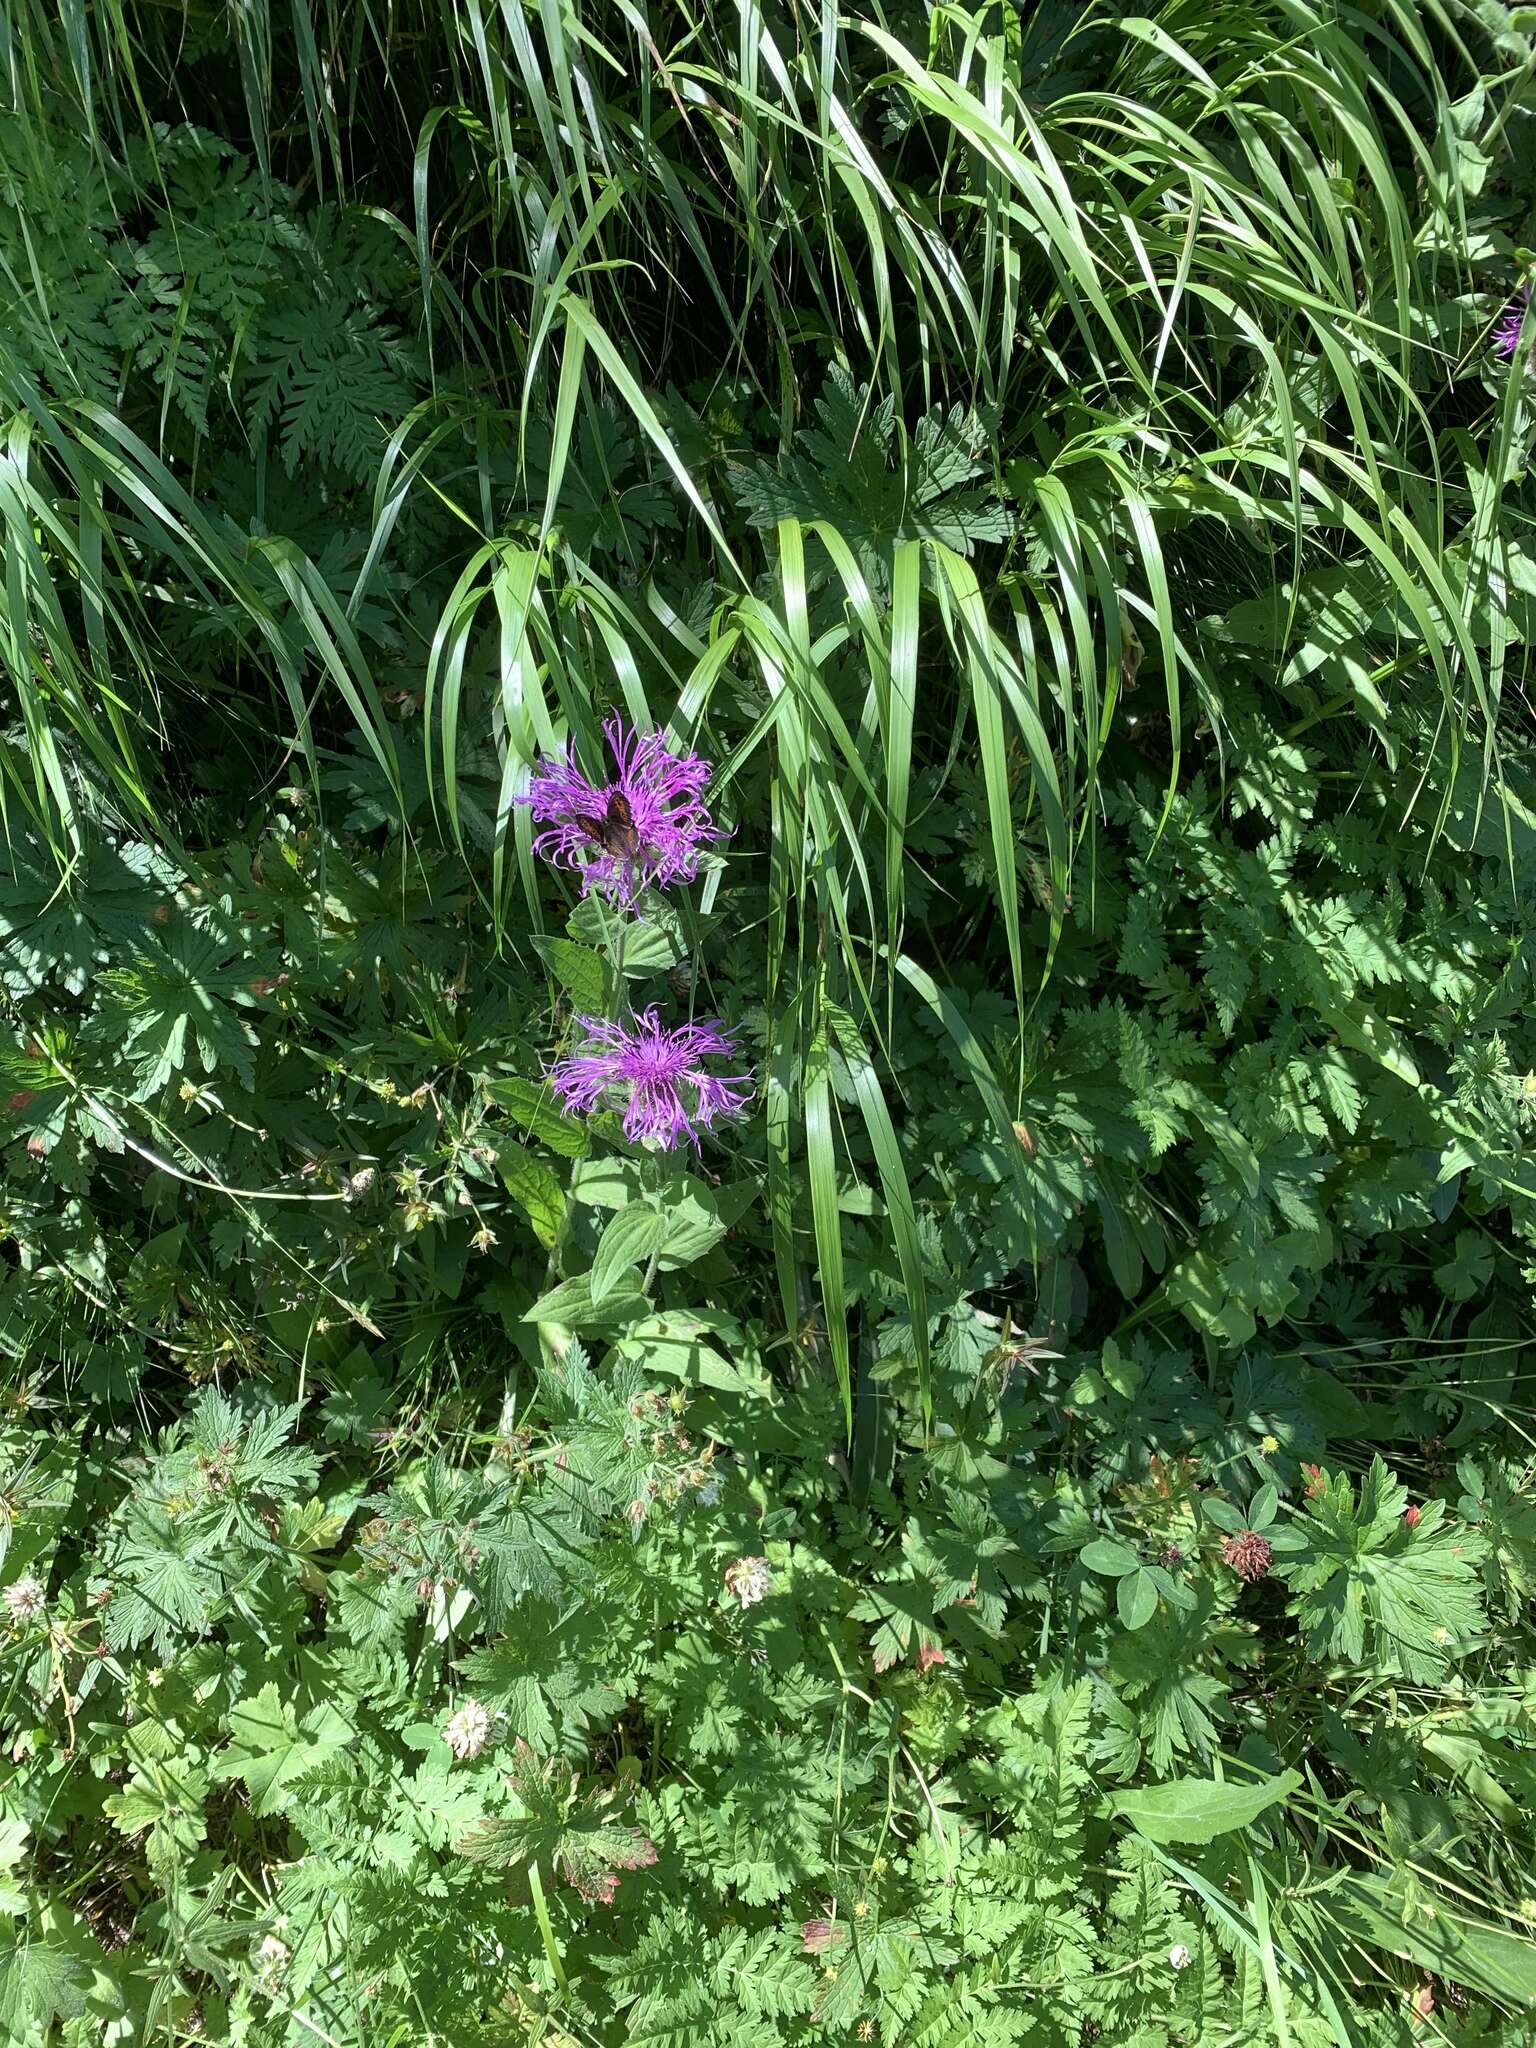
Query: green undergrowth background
(1059, 467)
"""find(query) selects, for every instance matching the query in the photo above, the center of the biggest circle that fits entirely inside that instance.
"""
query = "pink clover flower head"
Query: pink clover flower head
(644, 829)
(1506, 335)
(658, 1074)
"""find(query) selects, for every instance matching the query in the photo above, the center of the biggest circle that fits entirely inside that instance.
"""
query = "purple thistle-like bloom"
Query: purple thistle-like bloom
(645, 827)
(1506, 335)
(657, 1074)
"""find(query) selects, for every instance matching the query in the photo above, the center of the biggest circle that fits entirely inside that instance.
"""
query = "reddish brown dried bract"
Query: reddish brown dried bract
(1249, 1554)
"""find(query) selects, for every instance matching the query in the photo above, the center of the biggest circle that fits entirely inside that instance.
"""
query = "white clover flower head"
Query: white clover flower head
(469, 1731)
(748, 1580)
(24, 1598)
(1179, 1957)
(271, 1961)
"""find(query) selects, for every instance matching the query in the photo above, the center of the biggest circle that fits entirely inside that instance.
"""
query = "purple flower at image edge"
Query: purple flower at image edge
(645, 828)
(668, 1096)
(1506, 335)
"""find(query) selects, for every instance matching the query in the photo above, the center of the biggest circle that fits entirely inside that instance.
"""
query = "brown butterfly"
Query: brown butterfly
(615, 831)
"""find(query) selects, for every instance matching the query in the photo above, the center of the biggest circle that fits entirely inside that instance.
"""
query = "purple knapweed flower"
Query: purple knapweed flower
(657, 1074)
(646, 827)
(1506, 335)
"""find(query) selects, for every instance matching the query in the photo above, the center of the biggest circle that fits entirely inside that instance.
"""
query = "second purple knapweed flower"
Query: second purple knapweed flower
(1506, 335)
(645, 828)
(656, 1075)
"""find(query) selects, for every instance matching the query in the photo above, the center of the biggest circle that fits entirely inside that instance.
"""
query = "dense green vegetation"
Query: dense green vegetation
(1024, 1532)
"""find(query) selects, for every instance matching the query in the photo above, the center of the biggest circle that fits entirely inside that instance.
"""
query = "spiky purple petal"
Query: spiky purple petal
(665, 795)
(656, 1074)
(1506, 335)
